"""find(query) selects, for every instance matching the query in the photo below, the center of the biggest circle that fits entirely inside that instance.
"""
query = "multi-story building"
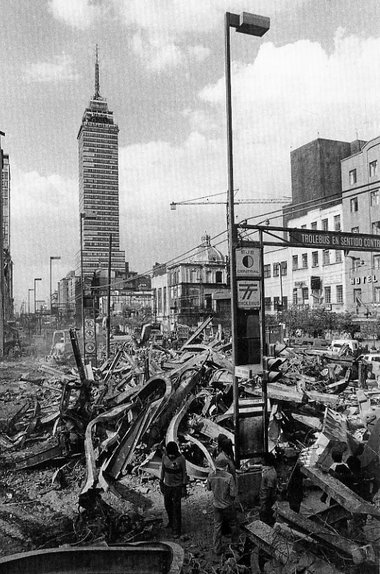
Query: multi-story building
(67, 289)
(184, 291)
(307, 277)
(8, 263)
(316, 175)
(361, 214)
(314, 277)
(6, 189)
(99, 187)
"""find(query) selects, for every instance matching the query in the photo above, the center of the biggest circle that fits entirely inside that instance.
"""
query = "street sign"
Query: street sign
(333, 240)
(248, 294)
(248, 262)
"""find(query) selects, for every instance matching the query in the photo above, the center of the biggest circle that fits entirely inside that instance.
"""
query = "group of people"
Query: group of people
(222, 482)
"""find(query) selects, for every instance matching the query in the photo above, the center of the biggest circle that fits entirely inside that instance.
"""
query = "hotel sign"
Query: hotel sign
(334, 240)
(363, 280)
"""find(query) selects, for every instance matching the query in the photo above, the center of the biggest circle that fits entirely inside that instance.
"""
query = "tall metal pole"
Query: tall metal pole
(263, 344)
(82, 216)
(281, 292)
(35, 281)
(29, 290)
(108, 337)
(232, 231)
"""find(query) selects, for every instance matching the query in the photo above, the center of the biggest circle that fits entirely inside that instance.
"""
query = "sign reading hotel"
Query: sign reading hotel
(248, 294)
(334, 240)
(248, 262)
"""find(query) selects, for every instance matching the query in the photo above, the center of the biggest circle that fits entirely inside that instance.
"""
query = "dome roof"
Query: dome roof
(206, 253)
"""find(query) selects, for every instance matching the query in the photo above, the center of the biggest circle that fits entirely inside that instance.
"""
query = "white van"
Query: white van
(337, 344)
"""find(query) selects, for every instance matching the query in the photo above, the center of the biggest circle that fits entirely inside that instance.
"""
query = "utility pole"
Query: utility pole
(108, 336)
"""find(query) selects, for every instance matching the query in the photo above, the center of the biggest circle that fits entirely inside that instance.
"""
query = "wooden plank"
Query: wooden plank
(212, 430)
(321, 533)
(340, 492)
(270, 541)
(311, 422)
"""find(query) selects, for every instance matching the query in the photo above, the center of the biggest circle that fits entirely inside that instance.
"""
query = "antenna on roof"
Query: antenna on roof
(97, 94)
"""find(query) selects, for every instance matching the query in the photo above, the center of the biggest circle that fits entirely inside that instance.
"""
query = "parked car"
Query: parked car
(337, 344)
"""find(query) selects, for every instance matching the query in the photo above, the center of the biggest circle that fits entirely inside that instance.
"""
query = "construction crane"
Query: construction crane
(199, 201)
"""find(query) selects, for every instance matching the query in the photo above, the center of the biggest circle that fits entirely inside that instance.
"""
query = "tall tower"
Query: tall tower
(99, 185)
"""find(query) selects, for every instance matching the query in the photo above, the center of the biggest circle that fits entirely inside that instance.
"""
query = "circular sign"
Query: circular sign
(89, 323)
(90, 347)
(90, 334)
(248, 261)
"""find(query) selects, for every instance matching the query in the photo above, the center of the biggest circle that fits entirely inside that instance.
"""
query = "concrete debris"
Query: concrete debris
(120, 414)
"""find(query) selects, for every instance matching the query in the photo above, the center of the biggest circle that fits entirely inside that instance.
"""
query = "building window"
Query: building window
(325, 224)
(218, 277)
(372, 168)
(295, 262)
(314, 225)
(376, 228)
(352, 176)
(337, 224)
(267, 303)
(267, 271)
(314, 259)
(295, 296)
(276, 269)
(375, 197)
(354, 229)
(276, 304)
(326, 257)
(338, 256)
(354, 204)
(376, 295)
(328, 295)
(376, 261)
(284, 303)
(284, 268)
(356, 262)
(304, 260)
(305, 294)
(339, 293)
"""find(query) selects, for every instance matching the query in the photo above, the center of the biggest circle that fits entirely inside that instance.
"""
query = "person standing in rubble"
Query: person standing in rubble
(223, 486)
(268, 489)
(225, 453)
(173, 484)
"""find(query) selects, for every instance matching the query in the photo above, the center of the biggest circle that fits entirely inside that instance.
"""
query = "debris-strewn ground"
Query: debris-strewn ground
(79, 454)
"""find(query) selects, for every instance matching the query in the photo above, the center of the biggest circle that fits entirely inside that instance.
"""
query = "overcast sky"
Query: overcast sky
(316, 73)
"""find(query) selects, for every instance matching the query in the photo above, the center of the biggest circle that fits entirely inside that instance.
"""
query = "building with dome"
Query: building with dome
(184, 291)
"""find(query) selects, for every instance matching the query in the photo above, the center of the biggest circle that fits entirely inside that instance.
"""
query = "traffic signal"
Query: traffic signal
(270, 368)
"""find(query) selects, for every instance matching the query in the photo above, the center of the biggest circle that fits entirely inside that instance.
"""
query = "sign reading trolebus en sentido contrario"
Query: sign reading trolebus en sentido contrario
(334, 240)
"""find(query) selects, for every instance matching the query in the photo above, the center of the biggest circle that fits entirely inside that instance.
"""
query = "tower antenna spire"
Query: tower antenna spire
(97, 94)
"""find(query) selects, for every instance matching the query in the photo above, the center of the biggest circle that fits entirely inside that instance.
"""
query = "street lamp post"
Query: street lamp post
(256, 26)
(35, 280)
(29, 291)
(52, 258)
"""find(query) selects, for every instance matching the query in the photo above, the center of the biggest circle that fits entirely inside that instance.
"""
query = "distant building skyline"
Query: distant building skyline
(99, 186)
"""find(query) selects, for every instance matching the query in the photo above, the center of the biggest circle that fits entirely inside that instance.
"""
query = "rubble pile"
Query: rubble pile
(120, 414)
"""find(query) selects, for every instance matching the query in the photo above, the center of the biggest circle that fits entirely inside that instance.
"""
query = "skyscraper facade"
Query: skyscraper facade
(5, 189)
(99, 186)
